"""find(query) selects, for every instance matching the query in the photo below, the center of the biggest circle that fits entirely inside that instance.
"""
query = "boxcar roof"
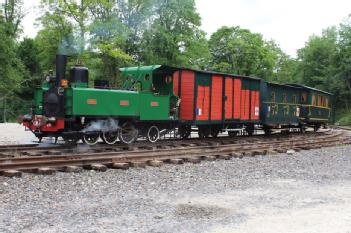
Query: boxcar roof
(170, 68)
(310, 88)
(221, 73)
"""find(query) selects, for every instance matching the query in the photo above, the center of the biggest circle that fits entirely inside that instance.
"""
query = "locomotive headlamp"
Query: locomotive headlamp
(64, 83)
(51, 120)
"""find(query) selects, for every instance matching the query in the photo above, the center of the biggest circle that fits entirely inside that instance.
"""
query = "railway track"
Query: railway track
(61, 149)
(192, 151)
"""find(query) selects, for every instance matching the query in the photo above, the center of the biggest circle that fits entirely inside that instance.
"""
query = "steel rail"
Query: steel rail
(57, 162)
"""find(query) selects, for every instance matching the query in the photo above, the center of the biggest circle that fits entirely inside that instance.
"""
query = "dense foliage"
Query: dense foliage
(105, 35)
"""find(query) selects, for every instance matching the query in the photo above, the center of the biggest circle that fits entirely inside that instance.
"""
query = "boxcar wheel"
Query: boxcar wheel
(184, 131)
(214, 132)
(250, 130)
(153, 134)
(91, 139)
(110, 137)
(129, 133)
(203, 132)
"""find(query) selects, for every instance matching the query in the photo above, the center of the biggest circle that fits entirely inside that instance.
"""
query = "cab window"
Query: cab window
(147, 77)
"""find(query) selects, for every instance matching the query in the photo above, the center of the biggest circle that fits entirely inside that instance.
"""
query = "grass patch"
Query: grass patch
(344, 118)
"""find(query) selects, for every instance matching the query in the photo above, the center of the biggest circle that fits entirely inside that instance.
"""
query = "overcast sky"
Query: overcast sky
(288, 22)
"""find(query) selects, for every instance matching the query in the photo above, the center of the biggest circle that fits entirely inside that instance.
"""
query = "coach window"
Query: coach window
(322, 104)
(284, 98)
(304, 98)
(320, 100)
(314, 100)
(294, 99)
(326, 102)
(273, 96)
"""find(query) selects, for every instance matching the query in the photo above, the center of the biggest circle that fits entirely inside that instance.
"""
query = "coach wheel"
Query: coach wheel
(214, 132)
(91, 139)
(184, 131)
(153, 134)
(232, 133)
(316, 128)
(302, 129)
(110, 137)
(129, 133)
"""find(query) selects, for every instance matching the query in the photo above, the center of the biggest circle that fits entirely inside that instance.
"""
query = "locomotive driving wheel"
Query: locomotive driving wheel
(129, 133)
(153, 134)
(91, 138)
(110, 137)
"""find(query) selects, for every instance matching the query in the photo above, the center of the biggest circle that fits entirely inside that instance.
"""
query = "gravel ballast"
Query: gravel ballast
(308, 191)
(14, 133)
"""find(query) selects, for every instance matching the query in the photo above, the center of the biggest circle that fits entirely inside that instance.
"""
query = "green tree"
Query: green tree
(27, 52)
(77, 13)
(108, 41)
(55, 37)
(343, 68)
(318, 59)
(236, 50)
(174, 37)
(12, 16)
(12, 71)
(11, 68)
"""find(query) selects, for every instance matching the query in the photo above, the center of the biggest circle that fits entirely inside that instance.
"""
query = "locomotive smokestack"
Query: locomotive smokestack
(61, 61)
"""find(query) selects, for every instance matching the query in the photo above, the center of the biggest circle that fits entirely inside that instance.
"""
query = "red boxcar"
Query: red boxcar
(214, 101)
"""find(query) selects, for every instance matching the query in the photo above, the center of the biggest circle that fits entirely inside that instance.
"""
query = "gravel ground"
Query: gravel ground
(304, 192)
(13, 133)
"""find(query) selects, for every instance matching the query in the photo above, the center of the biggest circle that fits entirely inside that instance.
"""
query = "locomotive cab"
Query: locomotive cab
(155, 85)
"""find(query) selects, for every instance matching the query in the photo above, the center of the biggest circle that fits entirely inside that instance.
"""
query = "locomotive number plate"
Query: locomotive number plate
(154, 104)
(124, 102)
(91, 101)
